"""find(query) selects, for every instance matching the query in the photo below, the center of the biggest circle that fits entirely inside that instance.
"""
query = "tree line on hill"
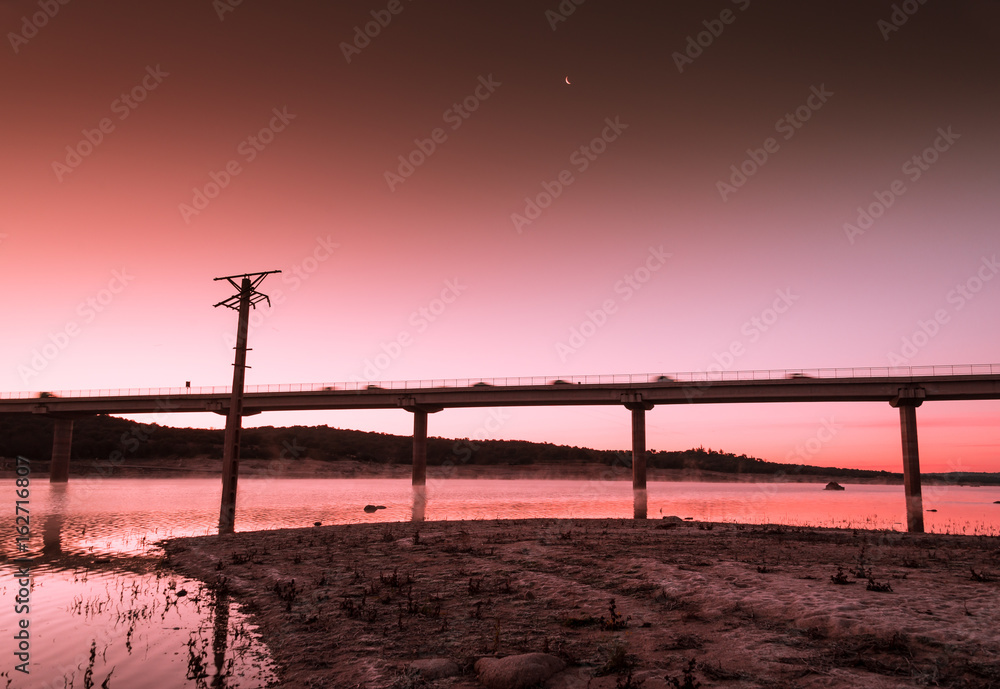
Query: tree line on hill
(97, 437)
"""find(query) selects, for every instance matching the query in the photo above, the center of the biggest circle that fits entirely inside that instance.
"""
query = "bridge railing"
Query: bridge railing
(709, 376)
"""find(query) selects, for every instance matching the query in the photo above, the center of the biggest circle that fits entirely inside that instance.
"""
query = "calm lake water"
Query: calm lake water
(115, 624)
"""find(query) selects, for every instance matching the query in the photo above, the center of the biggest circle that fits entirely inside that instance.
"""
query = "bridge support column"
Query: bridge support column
(62, 442)
(907, 402)
(639, 409)
(420, 412)
(419, 447)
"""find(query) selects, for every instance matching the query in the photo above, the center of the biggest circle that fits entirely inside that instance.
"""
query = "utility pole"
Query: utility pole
(245, 297)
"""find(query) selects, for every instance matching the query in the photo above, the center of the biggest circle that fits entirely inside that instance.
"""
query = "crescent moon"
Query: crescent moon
(567, 80)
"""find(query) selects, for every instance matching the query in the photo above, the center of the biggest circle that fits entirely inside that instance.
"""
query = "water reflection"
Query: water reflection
(101, 615)
(53, 522)
(639, 502)
(220, 635)
(419, 503)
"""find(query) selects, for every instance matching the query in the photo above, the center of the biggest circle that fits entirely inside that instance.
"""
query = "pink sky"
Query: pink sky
(102, 247)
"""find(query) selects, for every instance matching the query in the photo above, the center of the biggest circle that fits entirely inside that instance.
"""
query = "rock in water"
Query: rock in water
(370, 508)
(517, 672)
(833, 485)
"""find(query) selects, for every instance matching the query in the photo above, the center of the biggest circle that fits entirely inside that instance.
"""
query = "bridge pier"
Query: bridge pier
(419, 447)
(62, 443)
(639, 409)
(907, 402)
(420, 413)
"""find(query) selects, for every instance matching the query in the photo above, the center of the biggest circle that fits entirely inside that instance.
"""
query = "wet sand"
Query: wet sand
(754, 606)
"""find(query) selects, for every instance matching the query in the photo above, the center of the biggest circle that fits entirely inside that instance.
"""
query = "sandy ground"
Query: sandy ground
(753, 606)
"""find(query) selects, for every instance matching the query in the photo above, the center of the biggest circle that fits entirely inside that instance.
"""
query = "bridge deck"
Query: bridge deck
(798, 388)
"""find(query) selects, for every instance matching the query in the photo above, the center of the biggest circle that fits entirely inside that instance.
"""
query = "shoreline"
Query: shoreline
(252, 468)
(755, 606)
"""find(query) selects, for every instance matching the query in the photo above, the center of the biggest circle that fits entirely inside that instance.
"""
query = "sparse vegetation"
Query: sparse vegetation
(880, 587)
(840, 578)
(687, 679)
(617, 659)
(614, 621)
(401, 603)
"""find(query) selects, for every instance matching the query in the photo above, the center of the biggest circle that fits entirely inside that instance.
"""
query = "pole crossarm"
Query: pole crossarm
(249, 282)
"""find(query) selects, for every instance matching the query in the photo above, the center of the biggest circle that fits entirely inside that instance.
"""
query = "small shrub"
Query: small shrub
(626, 681)
(840, 578)
(617, 659)
(880, 587)
(687, 680)
(614, 622)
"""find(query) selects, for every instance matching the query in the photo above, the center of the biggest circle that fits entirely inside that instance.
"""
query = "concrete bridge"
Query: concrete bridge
(905, 388)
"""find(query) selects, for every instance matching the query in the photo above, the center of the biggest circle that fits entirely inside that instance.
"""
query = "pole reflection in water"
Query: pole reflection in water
(53, 523)
(220, 634)
(419, 503)
(639, 500)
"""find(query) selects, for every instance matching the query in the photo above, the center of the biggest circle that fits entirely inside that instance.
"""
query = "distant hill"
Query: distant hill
(98, 437)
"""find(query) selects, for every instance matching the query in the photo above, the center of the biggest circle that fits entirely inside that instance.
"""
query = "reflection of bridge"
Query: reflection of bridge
(902, 387)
